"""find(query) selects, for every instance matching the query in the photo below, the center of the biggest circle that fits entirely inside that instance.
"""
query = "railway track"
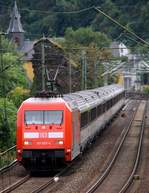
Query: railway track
(51, 181)
(34, 184)
(110, 177)
(12, 176)
(141, 184)
(9, 169)
(7, 158)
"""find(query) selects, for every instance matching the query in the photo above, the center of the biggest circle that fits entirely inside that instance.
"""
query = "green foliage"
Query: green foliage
(13, 76)
(13, 84)
(94, 45)
(86, 37)
(18, 95)
(133, 14)
(146, 90)
(7, 136)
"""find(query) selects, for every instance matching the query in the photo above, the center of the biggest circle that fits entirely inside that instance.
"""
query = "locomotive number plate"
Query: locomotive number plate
(43, 135)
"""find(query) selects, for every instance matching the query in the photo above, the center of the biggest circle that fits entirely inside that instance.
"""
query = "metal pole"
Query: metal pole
(85, 72)
(43, 64)
(70, 72)
(82, 62)
(95, 73)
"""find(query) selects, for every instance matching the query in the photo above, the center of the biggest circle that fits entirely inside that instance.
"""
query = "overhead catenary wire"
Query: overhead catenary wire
(122, 26)
(52, 12)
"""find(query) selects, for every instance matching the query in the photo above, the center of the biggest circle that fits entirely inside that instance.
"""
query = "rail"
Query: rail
(16, 184)
(51, 181)
(109, 167)
(28, 179)
(137, 95)
(130, 179)
(7, 157)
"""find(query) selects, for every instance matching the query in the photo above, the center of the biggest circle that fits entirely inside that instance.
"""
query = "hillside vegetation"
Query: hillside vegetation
(14, 88)
(40, 17)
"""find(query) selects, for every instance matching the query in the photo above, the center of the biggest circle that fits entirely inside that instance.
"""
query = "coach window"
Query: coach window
(104, 107)
(108, 105)
(84, 119)
(99, 110)
(93, 114)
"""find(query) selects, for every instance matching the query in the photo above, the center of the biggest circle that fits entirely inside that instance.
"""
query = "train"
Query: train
(53, 130)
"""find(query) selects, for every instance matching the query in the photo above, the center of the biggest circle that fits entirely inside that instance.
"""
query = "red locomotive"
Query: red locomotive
(51, 130)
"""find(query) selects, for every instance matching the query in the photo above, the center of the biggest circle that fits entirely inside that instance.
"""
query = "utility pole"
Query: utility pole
(43, 63)
(82, 77)
(84, 70)
(70, 73)
(95, 73)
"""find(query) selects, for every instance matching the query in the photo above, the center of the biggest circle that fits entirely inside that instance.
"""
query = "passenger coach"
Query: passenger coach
(54, 130)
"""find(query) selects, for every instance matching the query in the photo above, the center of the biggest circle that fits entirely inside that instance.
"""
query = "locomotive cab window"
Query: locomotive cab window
(53, 117)
(43, 117)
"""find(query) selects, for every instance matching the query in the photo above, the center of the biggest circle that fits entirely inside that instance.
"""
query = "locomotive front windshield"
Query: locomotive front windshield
(43, 117)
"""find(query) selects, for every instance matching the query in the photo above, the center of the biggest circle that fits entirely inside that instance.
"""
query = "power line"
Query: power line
(91, 8)
(120, 25)
(52, 12)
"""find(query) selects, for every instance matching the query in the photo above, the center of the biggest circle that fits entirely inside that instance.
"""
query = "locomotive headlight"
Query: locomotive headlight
(27, 143)
(60, 142)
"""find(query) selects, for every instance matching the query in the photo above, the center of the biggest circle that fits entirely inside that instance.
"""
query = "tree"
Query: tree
(12, 75)
(94, 46)
(18, 95)
(7, 137)
(85, 37)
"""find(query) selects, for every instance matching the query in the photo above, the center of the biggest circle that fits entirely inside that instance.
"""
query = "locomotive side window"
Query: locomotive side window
(43, 117)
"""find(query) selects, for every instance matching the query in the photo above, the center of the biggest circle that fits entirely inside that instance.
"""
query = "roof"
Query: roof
(36, 100)
(82, 100)
(15, 22)
(90, 98)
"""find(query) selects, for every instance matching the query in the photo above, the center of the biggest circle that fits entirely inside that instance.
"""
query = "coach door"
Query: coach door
(76, 134)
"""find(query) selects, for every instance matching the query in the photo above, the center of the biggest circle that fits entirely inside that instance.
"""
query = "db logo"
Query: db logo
(43, 135)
